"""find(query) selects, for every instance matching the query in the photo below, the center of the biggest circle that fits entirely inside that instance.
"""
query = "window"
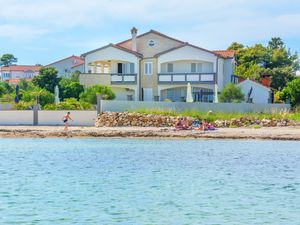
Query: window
(120, 68)
(151, 43)
(196, 67)
(170, 67)
(193, 68)
(199, 67)
(6, 75)
(148, 68)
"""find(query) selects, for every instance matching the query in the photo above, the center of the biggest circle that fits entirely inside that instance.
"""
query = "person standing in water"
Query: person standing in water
(65, 119)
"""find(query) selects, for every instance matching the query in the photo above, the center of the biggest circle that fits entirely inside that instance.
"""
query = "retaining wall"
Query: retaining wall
(50, 118)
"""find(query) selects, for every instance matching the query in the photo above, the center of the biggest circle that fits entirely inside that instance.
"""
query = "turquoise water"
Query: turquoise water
(149, 182)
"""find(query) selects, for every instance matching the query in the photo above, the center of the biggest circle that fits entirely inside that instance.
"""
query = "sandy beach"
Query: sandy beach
(270, 133)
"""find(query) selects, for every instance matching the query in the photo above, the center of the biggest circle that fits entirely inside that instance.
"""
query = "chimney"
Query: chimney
(265, 80)
(133, 41)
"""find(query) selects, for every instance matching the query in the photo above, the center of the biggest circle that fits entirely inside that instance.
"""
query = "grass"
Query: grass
(210, 117)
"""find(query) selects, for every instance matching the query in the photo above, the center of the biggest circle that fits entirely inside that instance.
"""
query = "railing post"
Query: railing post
(99, 98)
(35, 115)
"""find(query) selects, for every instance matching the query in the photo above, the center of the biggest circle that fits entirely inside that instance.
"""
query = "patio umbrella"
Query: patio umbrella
(17, 98)
(249, 95)
(216, 99)
(56, 92)
(189, 95)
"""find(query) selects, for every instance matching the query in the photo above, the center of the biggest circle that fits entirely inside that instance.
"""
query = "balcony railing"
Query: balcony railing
(107, 78)
(123, 78)
(184, 78)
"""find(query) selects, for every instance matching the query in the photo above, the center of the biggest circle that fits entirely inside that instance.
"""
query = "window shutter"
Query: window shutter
(131, 68)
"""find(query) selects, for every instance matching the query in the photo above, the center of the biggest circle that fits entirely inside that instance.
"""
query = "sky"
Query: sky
(39, 31)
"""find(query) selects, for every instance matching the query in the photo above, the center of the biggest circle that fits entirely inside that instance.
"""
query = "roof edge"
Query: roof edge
(114, 46)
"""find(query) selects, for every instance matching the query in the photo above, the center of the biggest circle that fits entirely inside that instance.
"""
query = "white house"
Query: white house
(67, 66)
(14, 73)
(259, 92)
(154, 66)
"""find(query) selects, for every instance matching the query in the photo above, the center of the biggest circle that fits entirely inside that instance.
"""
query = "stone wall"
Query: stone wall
(114, 119)
(118, 119)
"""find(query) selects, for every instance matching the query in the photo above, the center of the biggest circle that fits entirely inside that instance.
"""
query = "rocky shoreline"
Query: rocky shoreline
(270, 133)
(129, 119)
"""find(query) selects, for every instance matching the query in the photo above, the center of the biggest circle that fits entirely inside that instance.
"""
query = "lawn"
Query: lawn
(213, 116)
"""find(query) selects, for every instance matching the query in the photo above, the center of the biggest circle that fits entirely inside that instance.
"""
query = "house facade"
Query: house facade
(255, 92)
(67, 66)
(155, 67)
(12, 74)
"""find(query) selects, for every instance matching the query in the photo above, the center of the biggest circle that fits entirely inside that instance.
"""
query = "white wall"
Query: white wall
(81, 118)
(14, 117)
(187, 53)
(260, 94)
(111, 53)
(25, 117)
(184, 66)
(64, 67)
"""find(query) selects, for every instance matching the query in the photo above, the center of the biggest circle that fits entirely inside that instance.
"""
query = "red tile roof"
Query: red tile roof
(225, 53)
(20, 68)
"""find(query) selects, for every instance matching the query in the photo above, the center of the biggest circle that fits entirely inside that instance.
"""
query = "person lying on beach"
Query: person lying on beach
(178, 124)
(185, 124)
(65, 119)
(205, 126)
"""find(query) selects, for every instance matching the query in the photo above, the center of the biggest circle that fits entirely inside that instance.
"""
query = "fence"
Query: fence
(121, 106)
(50, 118)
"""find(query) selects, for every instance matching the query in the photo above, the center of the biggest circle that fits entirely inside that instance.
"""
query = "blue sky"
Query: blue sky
(39, 31)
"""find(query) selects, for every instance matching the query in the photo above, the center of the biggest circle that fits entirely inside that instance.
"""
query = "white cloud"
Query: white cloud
(20, 32)
(211, 23)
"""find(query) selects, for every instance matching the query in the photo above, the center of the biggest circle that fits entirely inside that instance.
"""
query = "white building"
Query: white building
(14, 73)
(67, 66)
(259, 92)
(154, 66)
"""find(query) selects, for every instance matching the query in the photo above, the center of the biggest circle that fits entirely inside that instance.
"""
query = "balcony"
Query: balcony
(107, 78)
(184, 78)
(123, 78)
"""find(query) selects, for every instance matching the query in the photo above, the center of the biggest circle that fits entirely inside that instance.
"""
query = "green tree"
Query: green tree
(291, 92)
(38, 95)
(26, 85)
(47, 79)
(5, 88)
(70, 88)
(90, 94)
(7, 59)
(274, 59)
(231, 93)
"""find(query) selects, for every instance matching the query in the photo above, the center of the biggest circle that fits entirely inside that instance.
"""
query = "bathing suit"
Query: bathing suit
(65, 120)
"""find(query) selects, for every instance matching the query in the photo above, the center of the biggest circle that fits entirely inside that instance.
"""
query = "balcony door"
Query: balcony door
(125, 68)
(147, 94)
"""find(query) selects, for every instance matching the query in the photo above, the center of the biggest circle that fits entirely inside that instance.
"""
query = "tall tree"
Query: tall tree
(7, 59)
(47, 79)
(274, 59)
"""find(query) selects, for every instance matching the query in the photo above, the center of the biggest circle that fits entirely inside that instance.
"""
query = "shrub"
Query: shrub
(69, 104)
(23, 105)
(43, 96)
(292, 92)
(70, 88)
(231, 93)
(7, 98)
(90, 94)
